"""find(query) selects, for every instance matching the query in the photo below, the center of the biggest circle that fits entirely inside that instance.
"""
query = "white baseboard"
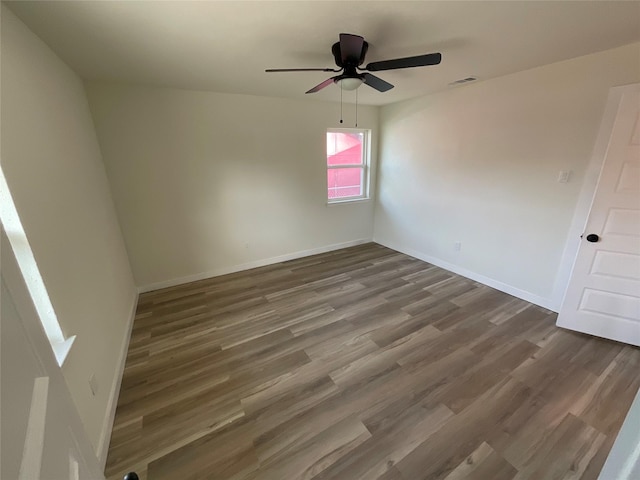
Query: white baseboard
(107, 427)
(490, 282)
(249, 265)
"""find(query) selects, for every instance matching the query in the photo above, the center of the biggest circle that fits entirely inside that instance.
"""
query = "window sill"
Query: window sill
(351, 200)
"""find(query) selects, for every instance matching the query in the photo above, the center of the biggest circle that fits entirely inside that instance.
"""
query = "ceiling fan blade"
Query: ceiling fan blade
(320, 86)
(270, 70)
(376, 82)
(418, 61)
(351, 47)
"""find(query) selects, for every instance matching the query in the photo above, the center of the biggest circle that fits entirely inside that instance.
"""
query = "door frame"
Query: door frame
(588, 192)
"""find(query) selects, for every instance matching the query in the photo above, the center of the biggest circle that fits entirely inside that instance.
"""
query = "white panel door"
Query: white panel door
(603, 296)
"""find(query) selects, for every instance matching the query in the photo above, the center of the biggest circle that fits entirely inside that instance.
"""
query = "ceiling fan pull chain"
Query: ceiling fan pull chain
(356, 108)
(340, 103)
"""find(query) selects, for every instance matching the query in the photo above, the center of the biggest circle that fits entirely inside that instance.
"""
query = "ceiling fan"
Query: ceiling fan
(349, 54)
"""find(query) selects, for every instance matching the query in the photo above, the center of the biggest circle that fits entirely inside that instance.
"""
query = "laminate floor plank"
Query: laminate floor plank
(484, 463)
(401, 431)
(363, 364)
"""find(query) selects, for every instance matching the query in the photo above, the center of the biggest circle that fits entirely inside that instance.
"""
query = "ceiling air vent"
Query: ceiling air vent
(463, 80)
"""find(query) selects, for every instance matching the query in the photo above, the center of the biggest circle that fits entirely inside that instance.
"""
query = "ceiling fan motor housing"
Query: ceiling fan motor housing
(351, 61)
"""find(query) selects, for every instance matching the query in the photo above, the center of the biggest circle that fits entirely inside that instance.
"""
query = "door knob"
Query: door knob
(592, 237)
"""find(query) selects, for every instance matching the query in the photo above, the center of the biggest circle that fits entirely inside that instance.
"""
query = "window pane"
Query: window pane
(344, 148)
(344, 182)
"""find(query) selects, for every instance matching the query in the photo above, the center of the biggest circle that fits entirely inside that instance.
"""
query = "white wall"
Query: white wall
(207, 183)
(52, 163)
(479, 164)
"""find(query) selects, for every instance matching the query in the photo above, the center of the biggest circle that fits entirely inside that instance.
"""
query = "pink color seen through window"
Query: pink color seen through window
(345, 165)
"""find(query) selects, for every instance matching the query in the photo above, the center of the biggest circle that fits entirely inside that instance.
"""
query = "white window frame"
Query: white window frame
(365, 166)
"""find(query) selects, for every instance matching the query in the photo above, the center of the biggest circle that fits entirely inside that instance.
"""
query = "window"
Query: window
(347, 165)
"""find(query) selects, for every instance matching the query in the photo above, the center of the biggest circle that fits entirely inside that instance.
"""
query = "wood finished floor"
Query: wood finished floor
(363, 363)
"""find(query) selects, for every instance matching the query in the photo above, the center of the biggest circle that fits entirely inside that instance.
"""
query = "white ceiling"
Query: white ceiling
(225, 46)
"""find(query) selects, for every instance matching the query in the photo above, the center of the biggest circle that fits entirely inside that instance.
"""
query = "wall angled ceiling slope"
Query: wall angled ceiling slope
(225, 46)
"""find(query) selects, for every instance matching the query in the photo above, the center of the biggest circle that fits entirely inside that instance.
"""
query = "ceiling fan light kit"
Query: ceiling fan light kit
(349, 83)
(349, 53)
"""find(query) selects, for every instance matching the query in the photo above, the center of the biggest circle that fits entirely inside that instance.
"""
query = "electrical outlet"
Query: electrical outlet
(457, 246)
(93, 384)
